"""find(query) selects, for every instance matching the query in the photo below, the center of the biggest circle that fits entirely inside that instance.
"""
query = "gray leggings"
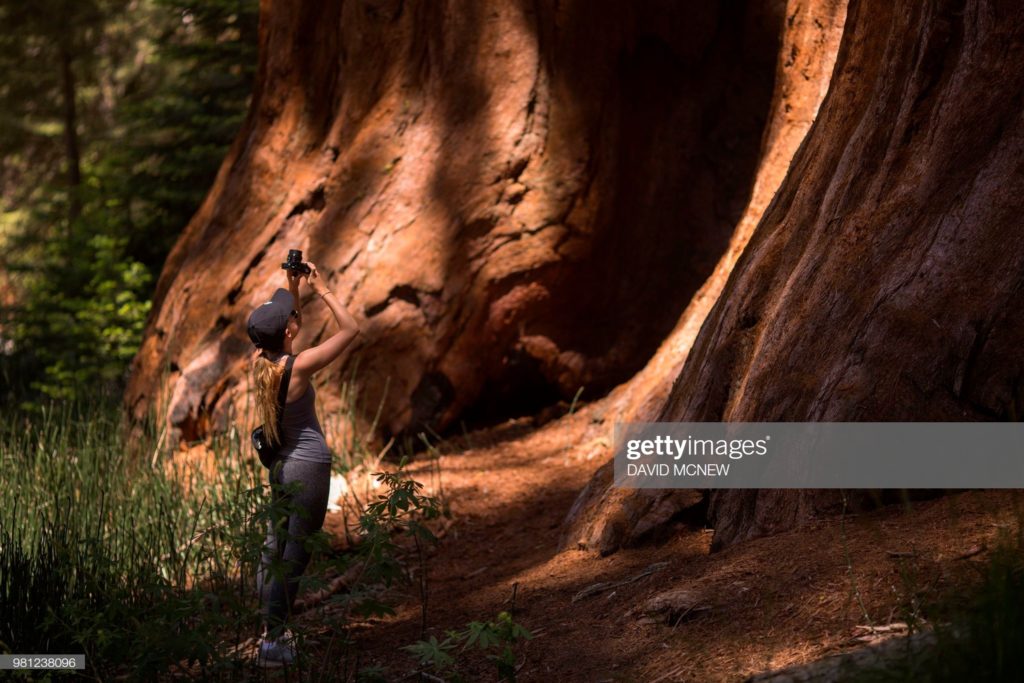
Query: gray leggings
(286, 542)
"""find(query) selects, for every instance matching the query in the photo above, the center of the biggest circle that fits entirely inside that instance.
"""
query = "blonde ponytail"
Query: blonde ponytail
(267, 380)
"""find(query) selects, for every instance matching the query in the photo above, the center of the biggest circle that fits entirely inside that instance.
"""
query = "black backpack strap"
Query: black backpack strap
(282, 392)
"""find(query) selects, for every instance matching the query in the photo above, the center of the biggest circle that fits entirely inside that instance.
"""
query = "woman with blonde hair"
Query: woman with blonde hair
(303, 455)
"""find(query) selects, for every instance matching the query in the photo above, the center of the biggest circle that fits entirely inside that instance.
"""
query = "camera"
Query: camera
(294, 262)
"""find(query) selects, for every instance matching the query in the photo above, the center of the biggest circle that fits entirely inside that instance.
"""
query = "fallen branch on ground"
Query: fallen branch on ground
(606, 585)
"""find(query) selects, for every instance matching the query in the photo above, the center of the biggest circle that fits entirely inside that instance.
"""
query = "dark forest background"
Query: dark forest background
(114, 118)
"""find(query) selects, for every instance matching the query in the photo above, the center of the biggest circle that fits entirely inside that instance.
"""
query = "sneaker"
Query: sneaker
(274, 653)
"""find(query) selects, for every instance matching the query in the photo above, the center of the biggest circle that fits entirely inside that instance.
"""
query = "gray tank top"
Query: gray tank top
(302, 437)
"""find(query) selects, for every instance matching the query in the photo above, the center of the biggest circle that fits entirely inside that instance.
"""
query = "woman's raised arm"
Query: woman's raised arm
(312, 359)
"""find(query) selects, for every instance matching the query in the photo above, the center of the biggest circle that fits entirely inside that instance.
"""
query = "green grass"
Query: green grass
(103, 553)
(148, 572)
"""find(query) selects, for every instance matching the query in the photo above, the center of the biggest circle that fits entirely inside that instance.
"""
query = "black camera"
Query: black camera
(294, 262)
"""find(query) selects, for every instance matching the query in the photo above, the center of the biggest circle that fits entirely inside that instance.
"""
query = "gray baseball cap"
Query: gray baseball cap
(268, 322)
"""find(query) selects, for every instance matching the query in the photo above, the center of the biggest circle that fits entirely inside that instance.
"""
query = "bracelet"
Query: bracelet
(326, 293)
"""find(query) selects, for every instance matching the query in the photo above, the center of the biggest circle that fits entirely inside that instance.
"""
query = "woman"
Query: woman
(304, 456)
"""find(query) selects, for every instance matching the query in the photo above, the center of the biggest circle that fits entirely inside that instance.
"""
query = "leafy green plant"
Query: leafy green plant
(360, 582)
(496, 639)
(83, 317)
(379, 561)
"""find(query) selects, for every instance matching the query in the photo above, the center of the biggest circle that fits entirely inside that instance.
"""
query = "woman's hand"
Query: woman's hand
(314, 279)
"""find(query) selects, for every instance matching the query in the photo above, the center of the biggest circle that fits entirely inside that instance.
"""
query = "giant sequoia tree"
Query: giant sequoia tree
(519, 198)
(884, 280)
(525, 198)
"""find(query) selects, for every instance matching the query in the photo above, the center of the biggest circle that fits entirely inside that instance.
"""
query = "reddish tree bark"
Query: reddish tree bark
(519, 199)
(884, 281)
(603, 517)
(879, 284)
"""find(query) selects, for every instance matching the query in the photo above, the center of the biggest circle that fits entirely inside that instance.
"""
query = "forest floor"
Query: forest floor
(764, 604)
